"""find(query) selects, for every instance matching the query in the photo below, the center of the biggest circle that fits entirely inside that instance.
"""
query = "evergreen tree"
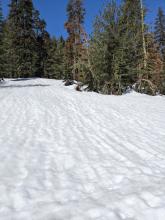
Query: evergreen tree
(25, 39)
(12, 32)
(160, 40)
(132, 38)
(10, 64)
(74, 43)
(151, 82)
(105, 51)
(49, 67)
(160, 31)
(59, 62)
(42, 39)
(55, 64)
(1, 44)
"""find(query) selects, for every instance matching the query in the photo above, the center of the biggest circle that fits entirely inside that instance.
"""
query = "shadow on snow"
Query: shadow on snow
(22, 79)
(23, 86)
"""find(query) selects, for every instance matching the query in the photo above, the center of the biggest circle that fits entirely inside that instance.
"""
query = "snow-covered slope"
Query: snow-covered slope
(66, 155)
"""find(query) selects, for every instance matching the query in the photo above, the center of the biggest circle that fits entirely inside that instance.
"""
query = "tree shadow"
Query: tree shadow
(21, 79)
(23, 86)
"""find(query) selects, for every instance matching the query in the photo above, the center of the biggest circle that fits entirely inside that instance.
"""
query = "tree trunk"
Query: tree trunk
(143, 35)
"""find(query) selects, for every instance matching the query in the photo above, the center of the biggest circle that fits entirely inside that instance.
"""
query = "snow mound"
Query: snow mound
(67, 155)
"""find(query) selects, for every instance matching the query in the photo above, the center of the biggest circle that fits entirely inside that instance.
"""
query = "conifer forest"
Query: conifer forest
(122, 52)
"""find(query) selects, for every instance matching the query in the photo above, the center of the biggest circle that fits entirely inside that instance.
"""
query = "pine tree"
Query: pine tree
(143, 35)
(25, 39)
(55, 64)
(74, 43)
(154, 66)
(49, 66)
(1, 44)
(160, 31)
(59, 62)
(10, 63)
(104, 51)
(160, 40)
(132, 38)
(42, 39)
(11, 33)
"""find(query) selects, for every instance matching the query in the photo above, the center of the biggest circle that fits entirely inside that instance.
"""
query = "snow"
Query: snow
(68, 155)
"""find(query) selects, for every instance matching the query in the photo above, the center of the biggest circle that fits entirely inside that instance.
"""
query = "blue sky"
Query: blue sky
(54, 12)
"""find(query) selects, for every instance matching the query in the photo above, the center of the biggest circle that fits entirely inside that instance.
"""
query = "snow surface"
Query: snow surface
(67, 155)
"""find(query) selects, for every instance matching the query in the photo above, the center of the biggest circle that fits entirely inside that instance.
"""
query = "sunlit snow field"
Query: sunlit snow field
(67, 155)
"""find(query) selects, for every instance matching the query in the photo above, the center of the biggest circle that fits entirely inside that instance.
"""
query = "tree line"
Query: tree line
(122, 53)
